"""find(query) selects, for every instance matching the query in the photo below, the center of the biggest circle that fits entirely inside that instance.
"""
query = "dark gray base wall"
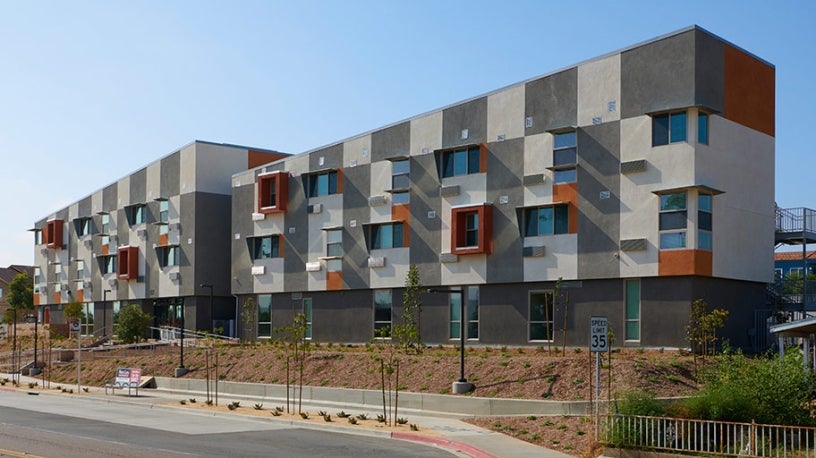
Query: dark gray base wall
(348, 316)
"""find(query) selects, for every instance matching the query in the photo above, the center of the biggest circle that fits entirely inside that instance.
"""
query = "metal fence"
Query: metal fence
(706, 437)
(795, 219)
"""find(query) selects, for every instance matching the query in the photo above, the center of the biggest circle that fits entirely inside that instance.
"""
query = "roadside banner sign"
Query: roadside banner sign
(126, 377)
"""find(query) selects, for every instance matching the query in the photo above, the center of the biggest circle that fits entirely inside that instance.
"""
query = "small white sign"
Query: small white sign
(74, 325)
(598, 333)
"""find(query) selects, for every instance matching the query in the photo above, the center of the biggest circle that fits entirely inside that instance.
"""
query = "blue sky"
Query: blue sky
(92, 91)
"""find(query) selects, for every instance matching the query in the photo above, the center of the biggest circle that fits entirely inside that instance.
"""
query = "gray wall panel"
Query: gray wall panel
(243, 205)
(658, 76)
(332, 158)
(110, 201)
(503, 314)
(84, 208)
(709, 71)
(356, 189)
(297, 244)
(552, 101)
(211, 254)
(469, 115)
(391, 141)
(599, 217)
(505, 163)
(170, 175)
(138, 187)
(425, 238)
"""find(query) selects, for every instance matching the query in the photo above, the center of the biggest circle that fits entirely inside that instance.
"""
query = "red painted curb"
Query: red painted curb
(458, 446)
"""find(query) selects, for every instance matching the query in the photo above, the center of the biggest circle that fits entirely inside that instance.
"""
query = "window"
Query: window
(382, 313)
(128, 265)
(702, 128)
(105, 223)
(164, 211)
(463, 161)
(37, 275)
(546, 220)
(273, 192)
(38, 237)
(777, 274)
(469, 294)
(795, 272)
(265, 247)
(83, 226)
(632, 325)
(307, 312)
(107, 264)
(87, 319)
(389, 235)
(334, 242)
(541, 316)
(668, 128)
(704, 221)
(1, 293)
(321, 184)
(565, 157)
(80, 269)
(136, 214)
(264, 316)
(471, 229)
(57, 271)
(400, 181)
(54, 234)
(673, 221)
(168, 255)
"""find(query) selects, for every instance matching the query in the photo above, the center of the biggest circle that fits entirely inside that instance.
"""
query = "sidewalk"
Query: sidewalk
(451, 433)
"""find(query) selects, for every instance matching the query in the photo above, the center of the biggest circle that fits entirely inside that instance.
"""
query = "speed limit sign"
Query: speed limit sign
(598, 332)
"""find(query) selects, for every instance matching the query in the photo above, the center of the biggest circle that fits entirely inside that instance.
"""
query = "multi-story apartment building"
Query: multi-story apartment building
(151, 238)
(642, 179)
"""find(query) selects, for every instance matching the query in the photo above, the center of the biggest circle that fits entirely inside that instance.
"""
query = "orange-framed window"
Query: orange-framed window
(128, 262)
(471, 229)
(273, 192)
(53, 236)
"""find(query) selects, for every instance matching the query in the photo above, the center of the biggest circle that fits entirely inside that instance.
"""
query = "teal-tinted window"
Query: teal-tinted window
(266, 247)
(461, 162)
(564, 148)
(705, 221)
(546, 220)
(388, 235)
(632, 320)
(668, 128)
(455, 315)
(541, 316)
(164, 211)
(702, 128)
(264, 316)
(307, 311)
(673, 221)
(382, 313)
(470, 322)
(321, 184)
(473, 312)
(334, 243)
(168, 255)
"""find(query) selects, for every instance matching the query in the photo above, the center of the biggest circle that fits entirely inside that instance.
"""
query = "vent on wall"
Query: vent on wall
(175, 276)
(448, 257)
(449, 191)
(633, 166)
(313, 266)
(258, 270)
(258, 216)
(633, 245)
(316, 208)
(533, 251)
(375, 262)
(376, 201)
(532, 180)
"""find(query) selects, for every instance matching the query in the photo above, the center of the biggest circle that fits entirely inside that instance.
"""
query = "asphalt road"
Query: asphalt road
(69, 426)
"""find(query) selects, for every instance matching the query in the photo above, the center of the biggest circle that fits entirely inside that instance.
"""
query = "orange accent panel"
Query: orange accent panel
(685, 262)
(402, 212)
(47, 318)
(334, 281)
(164, 239)
(339, 181)
(57, 298)
(483, 158)
(37, 299)
(568, 192)
(105, 249)
(749, 91)
(281, 244)
(259, 158)
(80, 296)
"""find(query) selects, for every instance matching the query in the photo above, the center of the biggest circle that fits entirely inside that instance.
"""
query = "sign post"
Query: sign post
(598, 343)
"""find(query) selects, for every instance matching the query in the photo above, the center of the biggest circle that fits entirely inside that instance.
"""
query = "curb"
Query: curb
(444, 443)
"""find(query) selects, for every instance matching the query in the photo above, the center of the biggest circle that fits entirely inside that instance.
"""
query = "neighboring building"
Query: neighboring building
(644, 179)
(7, 274)
(151, 238)
(790, 263)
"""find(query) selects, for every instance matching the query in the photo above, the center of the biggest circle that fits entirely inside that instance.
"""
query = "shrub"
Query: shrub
(641, 402)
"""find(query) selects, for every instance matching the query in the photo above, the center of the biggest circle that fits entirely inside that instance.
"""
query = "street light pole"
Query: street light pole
(105, 312)
(206, 285)
(181, 370)
(462, 385)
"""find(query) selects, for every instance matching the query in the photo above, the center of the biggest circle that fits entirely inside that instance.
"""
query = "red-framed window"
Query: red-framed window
(53, 236)
(273, 192)
(128, 262)
(472, 229)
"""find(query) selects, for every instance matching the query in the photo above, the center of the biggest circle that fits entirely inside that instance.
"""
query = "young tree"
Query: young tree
(20, 297)
(408, 333)
(248, 316)
(133, 324)
(297, 348)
